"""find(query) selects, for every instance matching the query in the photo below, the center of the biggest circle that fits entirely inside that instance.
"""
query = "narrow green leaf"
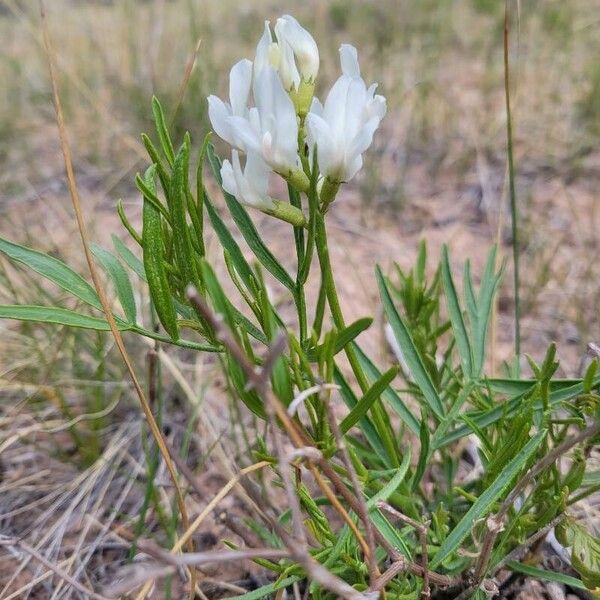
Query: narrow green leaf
(423, 454)
(544, 574)
(239, 262)
(366, 425)
(52, 269)
(57, 316)
(154, 265)
(182, 242)
(483, 419)
(410, 352)
(129, 258)
(248, 230)
(487, 290)
(392, 485)
(482, 505)
(267, 590)
(120, 280)
(456, 316)
(344, 337)
(365, 403)
(161, 129)
(389, 395)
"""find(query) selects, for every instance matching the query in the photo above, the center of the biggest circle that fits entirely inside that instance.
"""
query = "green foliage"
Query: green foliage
(404, 424)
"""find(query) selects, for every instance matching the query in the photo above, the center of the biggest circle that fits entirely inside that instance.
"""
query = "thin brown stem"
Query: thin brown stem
(494, 522)
(85, 240)
(362, 505)
(421, 530)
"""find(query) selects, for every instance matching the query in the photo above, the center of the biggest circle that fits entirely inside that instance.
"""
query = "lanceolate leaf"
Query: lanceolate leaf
(456, 317)
(181, 233)
(365, 423)
(365, 403)
(389, 395)
(240, 263)
(57, 316)
(52, 269)
(510, 407)
(154, 267)
(481, 506)
(544, 574)
(489, 285)
(343, 338)
(247, 229)
(407, 345)
(129, 258)
(120, 280)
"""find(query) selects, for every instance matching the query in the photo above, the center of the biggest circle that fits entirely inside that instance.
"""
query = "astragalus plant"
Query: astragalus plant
(419, 478)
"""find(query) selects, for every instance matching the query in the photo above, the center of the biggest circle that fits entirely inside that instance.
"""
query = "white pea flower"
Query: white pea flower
(267, 51)
(219, 112)
(343, 128)
(299, 53)
(271, 128)
(251, 185)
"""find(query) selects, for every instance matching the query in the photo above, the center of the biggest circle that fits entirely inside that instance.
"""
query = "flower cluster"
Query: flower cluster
(286, 118)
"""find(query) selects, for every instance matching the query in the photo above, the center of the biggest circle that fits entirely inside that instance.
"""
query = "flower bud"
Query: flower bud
(304, 51)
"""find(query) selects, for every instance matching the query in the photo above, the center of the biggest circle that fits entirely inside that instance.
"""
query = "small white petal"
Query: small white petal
(349, 60)
(240, 81)
(219, 113)
(263, 49)
(304, 47)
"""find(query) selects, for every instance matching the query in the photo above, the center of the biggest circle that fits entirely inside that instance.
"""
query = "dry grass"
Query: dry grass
(438, 172)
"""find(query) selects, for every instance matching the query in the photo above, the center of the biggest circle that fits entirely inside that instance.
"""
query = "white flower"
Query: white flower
(267, 51)
(271, 128)
(343, 128)
(219, 112)
(249, 186)
(299, 59)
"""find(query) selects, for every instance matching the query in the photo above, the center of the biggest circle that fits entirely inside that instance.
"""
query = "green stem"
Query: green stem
(338, 320)
(513, 195)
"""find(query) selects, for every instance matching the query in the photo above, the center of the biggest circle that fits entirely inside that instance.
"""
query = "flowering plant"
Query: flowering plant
(364, 515)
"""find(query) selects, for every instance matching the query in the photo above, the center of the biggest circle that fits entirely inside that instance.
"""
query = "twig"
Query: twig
(520, 551)
(59, 572)
(421, 529)
(259, 379)
(363, 510)
(75, 199)
(395, 568)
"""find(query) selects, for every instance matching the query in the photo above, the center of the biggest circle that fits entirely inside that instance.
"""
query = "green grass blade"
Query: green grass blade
(482, 505)
(410, 352)
(120, 280)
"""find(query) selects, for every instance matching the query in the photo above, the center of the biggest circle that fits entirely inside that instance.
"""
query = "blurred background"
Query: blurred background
(437, 171)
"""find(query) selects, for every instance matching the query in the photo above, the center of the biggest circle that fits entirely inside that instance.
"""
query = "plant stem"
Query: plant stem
(332, 298)
(513, 194)
(338, 319)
